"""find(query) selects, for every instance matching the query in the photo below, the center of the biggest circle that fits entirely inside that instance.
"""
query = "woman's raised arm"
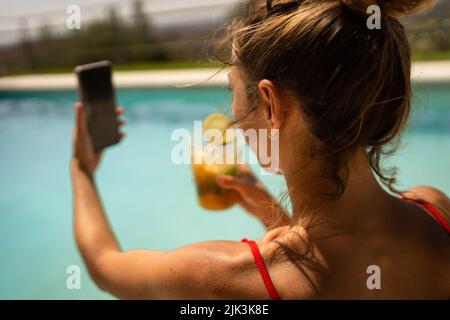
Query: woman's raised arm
(209, 270)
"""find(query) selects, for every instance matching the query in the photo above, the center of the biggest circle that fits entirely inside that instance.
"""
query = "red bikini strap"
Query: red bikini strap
(433, 211)
(262, 269)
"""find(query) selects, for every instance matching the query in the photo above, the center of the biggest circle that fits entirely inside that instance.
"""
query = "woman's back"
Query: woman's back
(405, 255)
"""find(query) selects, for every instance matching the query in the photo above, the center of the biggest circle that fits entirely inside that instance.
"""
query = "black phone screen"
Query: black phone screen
(97, 95)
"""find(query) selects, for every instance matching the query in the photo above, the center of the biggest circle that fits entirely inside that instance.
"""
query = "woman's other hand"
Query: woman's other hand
(254, 197)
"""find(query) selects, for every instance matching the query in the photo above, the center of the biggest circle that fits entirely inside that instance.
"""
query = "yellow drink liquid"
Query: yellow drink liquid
(210, 195)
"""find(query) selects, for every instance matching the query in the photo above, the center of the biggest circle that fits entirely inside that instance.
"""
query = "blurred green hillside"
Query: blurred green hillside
(429, 33)
(134, 43)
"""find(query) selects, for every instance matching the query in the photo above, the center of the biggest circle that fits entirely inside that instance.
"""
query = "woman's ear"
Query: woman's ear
(271, 103)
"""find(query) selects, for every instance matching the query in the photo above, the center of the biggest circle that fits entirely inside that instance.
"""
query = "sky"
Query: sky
(53, 12)
(25, 7)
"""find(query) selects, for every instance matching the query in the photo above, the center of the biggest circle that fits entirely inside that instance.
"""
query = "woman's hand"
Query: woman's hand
(255, 198)
(84, 155)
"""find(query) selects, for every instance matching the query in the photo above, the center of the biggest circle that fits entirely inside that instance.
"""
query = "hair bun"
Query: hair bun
(392, 8)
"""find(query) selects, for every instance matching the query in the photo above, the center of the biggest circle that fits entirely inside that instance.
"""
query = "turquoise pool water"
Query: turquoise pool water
(151, 202)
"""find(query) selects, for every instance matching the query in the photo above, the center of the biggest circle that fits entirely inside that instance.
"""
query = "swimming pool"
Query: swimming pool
(151, 203)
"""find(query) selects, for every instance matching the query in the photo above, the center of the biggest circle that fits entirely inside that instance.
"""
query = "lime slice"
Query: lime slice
(216, 121)
(222, 123)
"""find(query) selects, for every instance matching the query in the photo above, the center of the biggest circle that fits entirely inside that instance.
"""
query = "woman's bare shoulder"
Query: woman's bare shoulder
(231, 272)
(430, 194)
(437, 198)
(434, 244)
(295, 265)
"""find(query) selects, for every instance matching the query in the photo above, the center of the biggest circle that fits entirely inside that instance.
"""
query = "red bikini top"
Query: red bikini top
(259, 261)
(433, 211)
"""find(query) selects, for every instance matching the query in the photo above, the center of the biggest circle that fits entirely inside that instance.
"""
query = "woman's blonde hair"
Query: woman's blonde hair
(353, 82)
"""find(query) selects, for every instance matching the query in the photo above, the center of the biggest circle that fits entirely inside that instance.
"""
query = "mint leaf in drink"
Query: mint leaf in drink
(232, 171)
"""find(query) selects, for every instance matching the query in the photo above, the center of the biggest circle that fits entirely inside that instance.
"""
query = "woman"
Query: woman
(338, 93)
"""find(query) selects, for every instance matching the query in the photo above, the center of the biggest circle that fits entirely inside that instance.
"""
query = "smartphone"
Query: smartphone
(96, 92)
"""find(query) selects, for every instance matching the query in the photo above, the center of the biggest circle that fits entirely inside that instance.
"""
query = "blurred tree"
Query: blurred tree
(118, 33)
(429, 33)
(141, 24)
(26, 44)
(45, 33)
(44, 46)
(143, 39)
